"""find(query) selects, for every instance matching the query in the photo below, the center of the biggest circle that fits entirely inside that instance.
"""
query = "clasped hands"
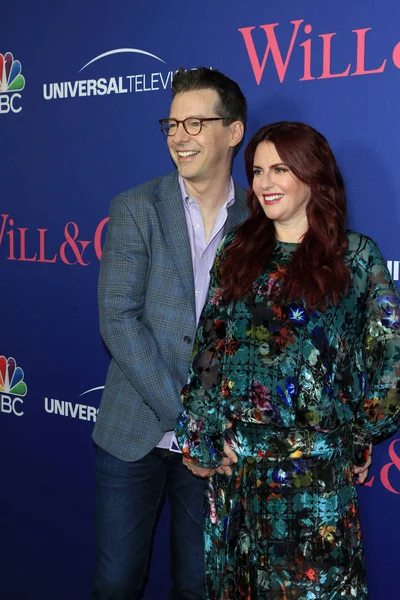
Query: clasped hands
(230, 458)
(223, 469)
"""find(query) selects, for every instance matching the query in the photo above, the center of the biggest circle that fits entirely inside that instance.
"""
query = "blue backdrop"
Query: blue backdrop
(82, 86)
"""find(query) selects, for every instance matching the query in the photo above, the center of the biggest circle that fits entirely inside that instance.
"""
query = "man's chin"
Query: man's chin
(186, 173)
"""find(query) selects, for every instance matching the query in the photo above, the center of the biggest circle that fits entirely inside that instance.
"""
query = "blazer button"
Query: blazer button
(187, 339)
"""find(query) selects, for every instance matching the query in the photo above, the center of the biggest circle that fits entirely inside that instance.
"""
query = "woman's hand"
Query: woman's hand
(229, 459)
(223, 469)
(362, 472)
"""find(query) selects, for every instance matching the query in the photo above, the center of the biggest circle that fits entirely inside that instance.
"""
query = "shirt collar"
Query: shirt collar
(186, 197)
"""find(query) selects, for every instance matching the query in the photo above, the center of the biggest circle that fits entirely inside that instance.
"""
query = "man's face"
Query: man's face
(207, 155)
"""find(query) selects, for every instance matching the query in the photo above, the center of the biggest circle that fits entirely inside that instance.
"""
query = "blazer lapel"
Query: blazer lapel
(173, 221)
(238, 211)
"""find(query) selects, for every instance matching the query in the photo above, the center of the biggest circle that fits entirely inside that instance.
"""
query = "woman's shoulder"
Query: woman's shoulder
(362, 249)
(226, 241)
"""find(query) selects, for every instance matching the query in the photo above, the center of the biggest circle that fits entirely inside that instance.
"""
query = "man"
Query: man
(161, 242)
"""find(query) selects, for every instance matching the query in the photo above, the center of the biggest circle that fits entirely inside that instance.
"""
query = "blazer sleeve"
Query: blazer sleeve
(122, 287)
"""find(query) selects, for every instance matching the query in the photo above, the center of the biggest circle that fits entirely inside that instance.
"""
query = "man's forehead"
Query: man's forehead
(194, 103)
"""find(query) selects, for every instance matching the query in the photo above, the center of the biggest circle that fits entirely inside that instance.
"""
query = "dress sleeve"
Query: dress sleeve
(378, 416)
(201, 425)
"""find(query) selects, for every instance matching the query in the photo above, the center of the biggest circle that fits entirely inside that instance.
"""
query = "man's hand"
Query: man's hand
(362, 472)
(198, 471)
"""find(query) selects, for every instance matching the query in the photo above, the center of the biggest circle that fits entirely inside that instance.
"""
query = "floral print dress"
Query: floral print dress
(306, 392)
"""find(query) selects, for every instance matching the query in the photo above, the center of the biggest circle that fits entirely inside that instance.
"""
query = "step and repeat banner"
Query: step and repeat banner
(82, 86)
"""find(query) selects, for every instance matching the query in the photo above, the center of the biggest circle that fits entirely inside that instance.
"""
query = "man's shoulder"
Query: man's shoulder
(240, 205)
(240, 193)
(149, 191)
(239, 210)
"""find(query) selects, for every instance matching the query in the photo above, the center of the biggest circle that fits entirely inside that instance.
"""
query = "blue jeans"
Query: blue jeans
(128, 497)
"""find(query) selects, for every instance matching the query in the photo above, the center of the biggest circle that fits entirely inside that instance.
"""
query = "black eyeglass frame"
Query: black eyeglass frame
(200, 119)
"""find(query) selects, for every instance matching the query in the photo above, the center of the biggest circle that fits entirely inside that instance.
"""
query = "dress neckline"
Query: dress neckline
(287, 244)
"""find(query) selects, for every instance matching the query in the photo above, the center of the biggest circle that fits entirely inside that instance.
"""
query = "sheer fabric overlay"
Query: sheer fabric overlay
(306, 392)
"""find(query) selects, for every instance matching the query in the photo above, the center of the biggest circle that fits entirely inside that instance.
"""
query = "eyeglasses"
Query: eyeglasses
(192, 125)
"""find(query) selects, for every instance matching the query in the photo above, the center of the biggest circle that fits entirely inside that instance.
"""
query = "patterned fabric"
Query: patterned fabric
(147, 314)
(306, 392)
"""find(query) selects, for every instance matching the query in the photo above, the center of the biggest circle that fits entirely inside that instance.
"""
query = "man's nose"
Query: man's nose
(181, 134)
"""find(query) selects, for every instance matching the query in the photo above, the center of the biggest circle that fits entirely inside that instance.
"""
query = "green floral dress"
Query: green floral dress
(306, 391)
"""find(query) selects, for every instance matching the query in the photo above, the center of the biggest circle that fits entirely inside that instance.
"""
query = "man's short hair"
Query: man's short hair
(232, 105)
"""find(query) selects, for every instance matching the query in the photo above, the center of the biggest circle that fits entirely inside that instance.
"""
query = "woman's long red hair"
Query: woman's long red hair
(316, 272)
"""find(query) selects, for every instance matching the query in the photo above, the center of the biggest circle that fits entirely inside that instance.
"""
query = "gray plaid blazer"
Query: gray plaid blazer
(147, 314)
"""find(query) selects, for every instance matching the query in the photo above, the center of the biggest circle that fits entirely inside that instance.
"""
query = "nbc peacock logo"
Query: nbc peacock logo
(11, 83)
(12, 387)
(11, 79)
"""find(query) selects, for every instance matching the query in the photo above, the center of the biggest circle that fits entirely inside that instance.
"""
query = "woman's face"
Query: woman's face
(282, 195)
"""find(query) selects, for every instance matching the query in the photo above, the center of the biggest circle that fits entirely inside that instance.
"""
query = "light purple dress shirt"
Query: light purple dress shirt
(203, 255)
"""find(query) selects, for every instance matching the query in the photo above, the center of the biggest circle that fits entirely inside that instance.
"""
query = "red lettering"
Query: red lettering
(97, 237)
(360, 67)
(77, 247)
(386, 468)
(10, 234)
(22, 231)
(42, 250)
(3, 226)
(326, 53)
(307, 56)
(272, 46)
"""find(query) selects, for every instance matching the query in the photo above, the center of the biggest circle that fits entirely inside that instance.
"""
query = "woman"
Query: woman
(299, 349)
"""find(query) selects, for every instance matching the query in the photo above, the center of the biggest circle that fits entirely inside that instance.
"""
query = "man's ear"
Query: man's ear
(237, 133)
